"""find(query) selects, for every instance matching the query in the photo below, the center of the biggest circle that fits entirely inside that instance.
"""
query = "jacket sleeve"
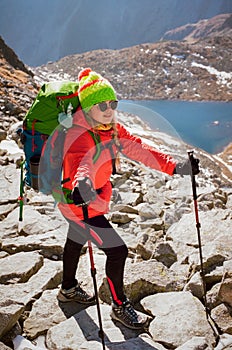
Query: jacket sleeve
(135, 149)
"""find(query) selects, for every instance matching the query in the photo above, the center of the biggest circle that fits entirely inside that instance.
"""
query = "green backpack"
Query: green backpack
(49, 115)
(54, 98)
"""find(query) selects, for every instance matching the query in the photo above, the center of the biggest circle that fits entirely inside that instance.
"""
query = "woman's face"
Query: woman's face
(103, 113)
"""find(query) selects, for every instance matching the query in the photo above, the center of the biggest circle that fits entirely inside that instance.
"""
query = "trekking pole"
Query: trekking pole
(93, 273)
(214, 326)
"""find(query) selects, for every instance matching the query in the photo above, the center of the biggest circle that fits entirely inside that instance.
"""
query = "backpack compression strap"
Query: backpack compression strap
(65, 97)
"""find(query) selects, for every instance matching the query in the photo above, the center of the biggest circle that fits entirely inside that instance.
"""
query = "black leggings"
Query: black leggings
(109, 241)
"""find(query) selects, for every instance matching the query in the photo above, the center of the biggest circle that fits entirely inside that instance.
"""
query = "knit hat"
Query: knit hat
(93, 89)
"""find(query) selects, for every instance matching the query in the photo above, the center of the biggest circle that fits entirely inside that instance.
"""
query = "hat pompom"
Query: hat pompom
(84, 73)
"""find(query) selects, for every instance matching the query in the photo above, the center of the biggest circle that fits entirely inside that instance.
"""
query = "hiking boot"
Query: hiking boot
(75, 294)
(126, 314)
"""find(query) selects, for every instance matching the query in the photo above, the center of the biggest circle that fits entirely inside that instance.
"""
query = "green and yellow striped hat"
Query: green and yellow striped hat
(93, 89)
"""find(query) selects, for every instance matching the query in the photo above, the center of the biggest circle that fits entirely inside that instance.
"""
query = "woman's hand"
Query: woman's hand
(83, 193)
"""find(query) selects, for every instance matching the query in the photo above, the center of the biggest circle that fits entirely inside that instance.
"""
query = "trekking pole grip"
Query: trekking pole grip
(190, 155)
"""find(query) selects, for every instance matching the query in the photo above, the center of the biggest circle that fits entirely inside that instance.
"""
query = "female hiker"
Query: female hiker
(90, 154)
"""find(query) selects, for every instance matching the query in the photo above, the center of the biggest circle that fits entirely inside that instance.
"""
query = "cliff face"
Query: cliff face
(17, 86)
(9, 56)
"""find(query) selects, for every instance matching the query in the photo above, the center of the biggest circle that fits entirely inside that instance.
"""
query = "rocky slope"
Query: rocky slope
(17, 88)
(165, 70)
(154, 214)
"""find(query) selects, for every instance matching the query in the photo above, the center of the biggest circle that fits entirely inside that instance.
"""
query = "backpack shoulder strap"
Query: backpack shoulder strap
(98, 144)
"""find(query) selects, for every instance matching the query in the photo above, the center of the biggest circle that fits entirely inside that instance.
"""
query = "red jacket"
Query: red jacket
(79, 152)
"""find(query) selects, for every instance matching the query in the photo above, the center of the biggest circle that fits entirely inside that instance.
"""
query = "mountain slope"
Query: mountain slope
(220, 25)
(42, 31)
(165, 70)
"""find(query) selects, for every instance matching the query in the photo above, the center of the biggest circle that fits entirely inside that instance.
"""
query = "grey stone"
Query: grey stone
(184, 314)
(222, 315)
(20, 267)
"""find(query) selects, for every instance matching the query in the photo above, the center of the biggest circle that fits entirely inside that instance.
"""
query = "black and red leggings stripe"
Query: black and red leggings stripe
(112, 245)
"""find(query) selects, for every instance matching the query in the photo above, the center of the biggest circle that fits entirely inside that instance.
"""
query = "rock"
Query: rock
(213, 224)
(36, 232)
(169, 219)
(20, 267)
(14, 331)
(139, 343)
(119, 179)
(196, 343)
(217, 198)
(73, 332)
(4, 347)
(157, 224)
(184, 315)
(222, 315)
(21, 343)
(120, 218)
(149, 246)
(227, 268)
(9, 314)
(3, 135)
(185, 240)
(124, 208)
(225, 342)
(130, 198)
(147, 211)
(147, 242)
(181, 271)
(215, 275)
(214, 254)
(45, 313)
(212, 296)
(12, 149)
(3, 254)
(49, 244)
(155, 278)
(9, 184)
(6, 209)
(195, 286)
(165, 254)
(225, 291)
(14, 300)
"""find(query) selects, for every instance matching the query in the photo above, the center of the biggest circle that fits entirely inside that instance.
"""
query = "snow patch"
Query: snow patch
(223, 78)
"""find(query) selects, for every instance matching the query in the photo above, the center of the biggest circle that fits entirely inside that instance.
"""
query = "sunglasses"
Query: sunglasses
(103, 106)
